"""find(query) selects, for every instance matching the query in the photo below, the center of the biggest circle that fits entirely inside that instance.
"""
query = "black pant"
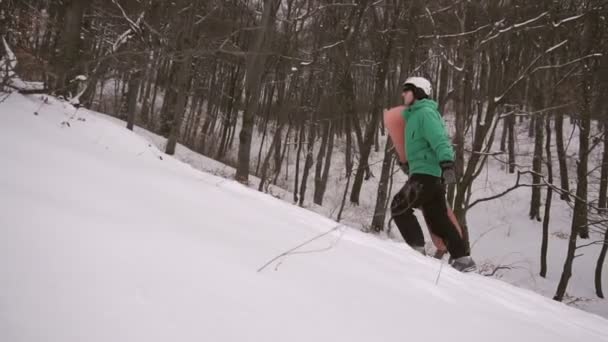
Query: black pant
(426, 192)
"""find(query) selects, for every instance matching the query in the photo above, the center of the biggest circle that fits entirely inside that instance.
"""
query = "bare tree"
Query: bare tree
(255, 65)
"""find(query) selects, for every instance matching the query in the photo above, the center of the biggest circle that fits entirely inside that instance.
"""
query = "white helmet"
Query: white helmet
(421, 83)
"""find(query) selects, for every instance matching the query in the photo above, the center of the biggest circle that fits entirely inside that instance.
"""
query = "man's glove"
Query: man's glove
(449, 172)
(405, 167)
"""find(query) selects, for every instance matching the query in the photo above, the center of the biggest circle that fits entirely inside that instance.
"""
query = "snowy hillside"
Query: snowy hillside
(506, 243)
(104, 238)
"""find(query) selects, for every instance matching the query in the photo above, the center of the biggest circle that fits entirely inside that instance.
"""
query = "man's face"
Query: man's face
(408, 97)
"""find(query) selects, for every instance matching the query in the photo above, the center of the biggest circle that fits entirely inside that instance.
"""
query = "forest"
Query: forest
(278, 86)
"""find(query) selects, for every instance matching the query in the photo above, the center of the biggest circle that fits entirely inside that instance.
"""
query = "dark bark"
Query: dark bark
(537, 168)
(463, 111)
(600, 265)
(381, 195)
(372, 128)
(561, 156)
(183, 84)
(275, 141)
(308, 159)
(319, 186)
(545, 239)
(145, 107)
(268, 102)
(134, 82)
(349, 173)
(503, 138)
(328, 155)
(67, 61)
(602, 203)
(298, 154)
(255, 68)
(511, 136)
(279, 162)
(579, 217)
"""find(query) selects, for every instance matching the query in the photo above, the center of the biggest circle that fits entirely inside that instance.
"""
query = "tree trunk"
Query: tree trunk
(225, 136)
(561, 156)
(349, 172)
(297, 178)
(193, 132)
(134, 82)
(278, 163)
(67, 60)
(151, 114)
(531, 126)
(167, 115)
(255, 68)
(511, 135)
(381, 195)
(580, 205)
(537, 168)
(319, 191)
(503, 138)
(183, 84)
(463, 110)
(600, 265)
(328, 154)
(372, 127)
(309, 159)
(145, 107)
(545, 240)
(604, 174)
(265, 130)
(579, 217)
(275, 141)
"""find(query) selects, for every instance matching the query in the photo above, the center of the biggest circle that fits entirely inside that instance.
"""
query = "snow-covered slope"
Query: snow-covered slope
(104, 238)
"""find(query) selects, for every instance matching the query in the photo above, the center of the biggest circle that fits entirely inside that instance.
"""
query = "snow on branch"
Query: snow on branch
(556, 46)
(451, 63)
(133, 25)
(563, 21)
(205, 17)
(320, 8)
(514, 26)
(9, 78)
(121, 40)
(527, 69)
(134, 28)
(539, 111)
(568, 63)
(456, 35)
(9, 62)
(331, 45)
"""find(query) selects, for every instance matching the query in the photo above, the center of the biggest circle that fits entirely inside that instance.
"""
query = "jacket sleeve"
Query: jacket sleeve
(435, 134)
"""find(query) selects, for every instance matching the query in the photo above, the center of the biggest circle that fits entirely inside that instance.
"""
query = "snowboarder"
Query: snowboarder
(426, 156)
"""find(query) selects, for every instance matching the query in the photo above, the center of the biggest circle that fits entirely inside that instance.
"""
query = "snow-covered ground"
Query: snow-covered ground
(104, 238)
(501, 233)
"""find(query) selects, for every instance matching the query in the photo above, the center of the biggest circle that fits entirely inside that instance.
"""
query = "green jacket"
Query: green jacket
(426, 139)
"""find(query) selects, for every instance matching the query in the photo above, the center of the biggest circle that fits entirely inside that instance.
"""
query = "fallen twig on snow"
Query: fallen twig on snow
(292, 251)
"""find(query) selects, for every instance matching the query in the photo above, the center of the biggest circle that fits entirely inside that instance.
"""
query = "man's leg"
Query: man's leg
(437, 216)
(437, 241)
(402, 212)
